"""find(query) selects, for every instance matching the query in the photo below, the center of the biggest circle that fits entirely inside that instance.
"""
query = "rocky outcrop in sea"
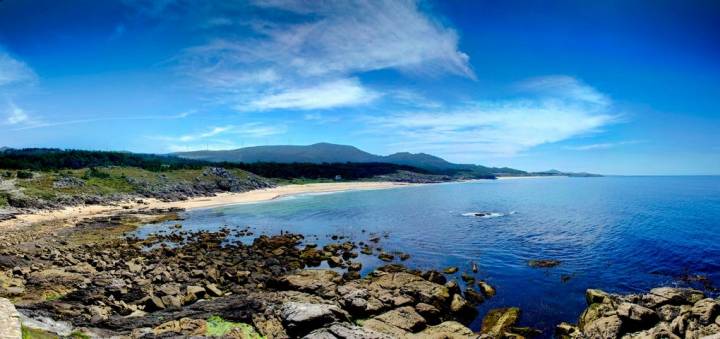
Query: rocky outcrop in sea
(664, 312)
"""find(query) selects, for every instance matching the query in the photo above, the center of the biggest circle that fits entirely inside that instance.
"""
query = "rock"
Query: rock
(301, 318)
(453, 287)
(593, 312)
(445, 330)
(429, 312)
(543, 263)
(499, 320)
(318, 282)
(384, 256)
(593, 296)
(451, 270)
(269, 327)
(413, 286)
(668, 312)
(405, 318)
(460, 307)
(172, 302)
(706, 310)
(354, 267)
(434, 276)
(404, 256)
(9, 320)
(567, 331)
(385, 328)
(335, 261)
(661, 330)
(673, 296)
(486, 289)
(474, 296)
(184, 326)
(639, 316)
(345, 331)
(153, 303)
(213, 290)
(193, 293)
(605, 327)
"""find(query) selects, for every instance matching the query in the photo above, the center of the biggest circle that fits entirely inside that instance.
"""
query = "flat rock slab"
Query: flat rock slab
(9, 321)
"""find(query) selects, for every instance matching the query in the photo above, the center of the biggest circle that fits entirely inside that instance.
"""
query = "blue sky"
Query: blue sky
(614, 87)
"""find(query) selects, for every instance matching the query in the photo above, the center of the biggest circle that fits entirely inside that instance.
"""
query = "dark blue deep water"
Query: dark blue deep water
(620, 234)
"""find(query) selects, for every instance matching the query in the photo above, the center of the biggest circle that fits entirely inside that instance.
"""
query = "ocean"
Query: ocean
(618, 234)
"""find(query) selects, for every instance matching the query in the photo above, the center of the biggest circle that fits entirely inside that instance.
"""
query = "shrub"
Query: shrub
(24, 175)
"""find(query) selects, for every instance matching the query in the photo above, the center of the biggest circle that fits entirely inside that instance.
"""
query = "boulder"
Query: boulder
(405, 318)
(661, 330)
(319, 282)
(345, 331)
(593, 312)
(429, 312)
(593, 296)
(486, 289)
(301, 318)
(639, 317)
(499, 320)
(604, 328)
(706, 310)
(451, 270)
(385, 328)
(567, 331)
(461, 307)
(671, 295)
(445, 330)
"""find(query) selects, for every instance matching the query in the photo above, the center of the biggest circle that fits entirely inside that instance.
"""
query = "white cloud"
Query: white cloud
(251, 130)
(338, 93)
(16, 115)
(313, 60)
(500, 128)
(13, 71)
(604, 145)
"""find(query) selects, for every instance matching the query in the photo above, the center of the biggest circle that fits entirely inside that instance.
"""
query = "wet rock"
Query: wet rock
(434, 276)
(450, 270)
(461, 307)
(387, 257)
(453, 287)
(499, 320)
(543, 263)
(486, 289)
(593, 312)
(474, 296)
(301, 318)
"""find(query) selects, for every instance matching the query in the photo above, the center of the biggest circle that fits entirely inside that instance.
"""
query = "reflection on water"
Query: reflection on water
(620, 234)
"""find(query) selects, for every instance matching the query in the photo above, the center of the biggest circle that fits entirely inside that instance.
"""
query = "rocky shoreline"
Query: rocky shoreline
(97, 279)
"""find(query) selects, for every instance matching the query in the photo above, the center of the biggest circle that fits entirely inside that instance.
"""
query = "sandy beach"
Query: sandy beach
(79, 212)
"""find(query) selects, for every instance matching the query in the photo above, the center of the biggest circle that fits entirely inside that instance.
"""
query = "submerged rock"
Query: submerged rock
(543, 263)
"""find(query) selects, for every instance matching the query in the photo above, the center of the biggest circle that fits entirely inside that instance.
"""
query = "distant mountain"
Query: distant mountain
(329, 153)
(554, 172)
(3, 149)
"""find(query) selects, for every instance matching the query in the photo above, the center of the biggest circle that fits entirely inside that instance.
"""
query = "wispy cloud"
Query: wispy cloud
(249, 130)
(337, 93)
(312, 61)
(552, 113)
(604, 145)
(13, 71)
(16, 115)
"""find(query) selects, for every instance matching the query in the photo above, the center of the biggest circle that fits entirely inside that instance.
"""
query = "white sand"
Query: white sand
(81, 212)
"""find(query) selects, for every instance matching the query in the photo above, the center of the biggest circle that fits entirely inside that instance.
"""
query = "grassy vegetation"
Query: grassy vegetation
(29, 333)
(218, 327)
(3, 199)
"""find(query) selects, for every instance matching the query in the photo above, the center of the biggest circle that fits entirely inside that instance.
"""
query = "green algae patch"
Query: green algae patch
(31, 333)
(217, 327)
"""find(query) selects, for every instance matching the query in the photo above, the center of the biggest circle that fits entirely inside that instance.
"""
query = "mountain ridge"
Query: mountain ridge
(333, 153)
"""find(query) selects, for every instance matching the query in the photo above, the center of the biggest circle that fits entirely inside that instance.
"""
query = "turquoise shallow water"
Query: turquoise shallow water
(620, 234)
